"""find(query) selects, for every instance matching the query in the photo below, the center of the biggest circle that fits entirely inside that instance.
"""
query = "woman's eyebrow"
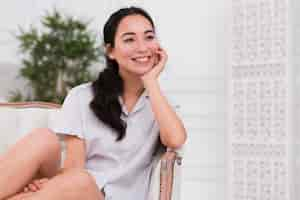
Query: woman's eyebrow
(127, 33)
(132, 33)
(148, 31)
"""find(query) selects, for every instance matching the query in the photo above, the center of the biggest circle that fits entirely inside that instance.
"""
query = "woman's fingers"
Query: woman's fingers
(33, 187)
(37, 184)
(43, 180)
(26, 189)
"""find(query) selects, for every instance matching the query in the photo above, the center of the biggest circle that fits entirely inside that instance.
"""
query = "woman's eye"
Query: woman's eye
(150, 37)
(129, 40)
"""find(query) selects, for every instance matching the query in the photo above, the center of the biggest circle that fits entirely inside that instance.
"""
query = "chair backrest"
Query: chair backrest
(17, 119)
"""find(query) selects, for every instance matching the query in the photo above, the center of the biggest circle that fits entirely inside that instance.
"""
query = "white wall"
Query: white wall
(193, 34)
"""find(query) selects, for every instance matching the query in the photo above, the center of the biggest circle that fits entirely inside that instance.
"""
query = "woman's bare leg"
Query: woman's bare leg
(21, 196)
(73, 184)
(38, 152)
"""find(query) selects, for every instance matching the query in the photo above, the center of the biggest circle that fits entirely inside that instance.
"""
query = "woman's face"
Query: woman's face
(135, 46)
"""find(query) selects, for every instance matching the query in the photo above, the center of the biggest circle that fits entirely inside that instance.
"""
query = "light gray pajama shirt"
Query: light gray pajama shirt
(121, 168)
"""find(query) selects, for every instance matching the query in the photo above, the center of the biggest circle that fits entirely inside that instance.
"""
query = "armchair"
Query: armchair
(17, 119)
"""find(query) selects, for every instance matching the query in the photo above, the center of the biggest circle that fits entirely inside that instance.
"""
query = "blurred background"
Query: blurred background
(194, 35)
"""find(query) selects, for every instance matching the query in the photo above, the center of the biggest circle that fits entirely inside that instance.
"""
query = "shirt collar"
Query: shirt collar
(139, 104)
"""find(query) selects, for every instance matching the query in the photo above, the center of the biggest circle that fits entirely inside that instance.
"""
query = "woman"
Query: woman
(111, 127)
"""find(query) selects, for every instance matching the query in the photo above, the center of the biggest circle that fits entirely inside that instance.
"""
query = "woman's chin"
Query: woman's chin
(143, 70)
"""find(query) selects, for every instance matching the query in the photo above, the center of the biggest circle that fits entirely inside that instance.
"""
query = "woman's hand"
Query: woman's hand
(159, 64)
(35, 185)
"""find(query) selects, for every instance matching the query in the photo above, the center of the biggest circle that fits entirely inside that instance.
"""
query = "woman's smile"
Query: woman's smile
(142, 59)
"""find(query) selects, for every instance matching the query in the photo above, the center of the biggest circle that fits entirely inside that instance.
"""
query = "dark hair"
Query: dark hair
(109, 85)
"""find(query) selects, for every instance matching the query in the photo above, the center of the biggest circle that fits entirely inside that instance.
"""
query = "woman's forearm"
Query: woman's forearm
(172, 131)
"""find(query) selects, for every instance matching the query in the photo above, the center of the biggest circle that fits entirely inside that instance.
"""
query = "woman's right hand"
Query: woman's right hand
(35, 185)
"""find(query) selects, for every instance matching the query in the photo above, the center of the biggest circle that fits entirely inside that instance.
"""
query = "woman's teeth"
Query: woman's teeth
(143, 59)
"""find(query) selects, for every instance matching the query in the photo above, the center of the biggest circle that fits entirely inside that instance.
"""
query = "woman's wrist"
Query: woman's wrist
(148, 84)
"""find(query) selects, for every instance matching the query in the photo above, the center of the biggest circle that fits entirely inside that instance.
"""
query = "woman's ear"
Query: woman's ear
(108, 51)
(111, 56)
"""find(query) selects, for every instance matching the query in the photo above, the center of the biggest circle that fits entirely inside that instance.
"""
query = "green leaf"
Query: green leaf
(65, 44)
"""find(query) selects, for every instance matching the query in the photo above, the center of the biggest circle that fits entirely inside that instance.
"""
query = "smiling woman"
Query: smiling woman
(112, 126)
(135, 46)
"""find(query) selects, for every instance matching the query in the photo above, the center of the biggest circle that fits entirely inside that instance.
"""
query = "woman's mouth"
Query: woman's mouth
(143, 59)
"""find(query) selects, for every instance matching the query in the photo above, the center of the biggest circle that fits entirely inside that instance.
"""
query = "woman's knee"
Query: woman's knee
(81, 177)
(83, 183)
(47, 139)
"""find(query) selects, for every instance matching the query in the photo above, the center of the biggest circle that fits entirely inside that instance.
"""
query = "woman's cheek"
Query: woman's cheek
(154, 45)
(126, 50)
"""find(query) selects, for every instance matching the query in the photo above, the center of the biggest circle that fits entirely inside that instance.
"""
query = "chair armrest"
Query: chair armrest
(169, 175)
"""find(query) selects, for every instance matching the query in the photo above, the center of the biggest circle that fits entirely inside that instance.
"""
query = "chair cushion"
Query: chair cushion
(16, 122)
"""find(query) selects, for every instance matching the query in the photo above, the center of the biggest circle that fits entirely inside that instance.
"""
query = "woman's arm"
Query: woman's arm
(75, 153)
(172, 131)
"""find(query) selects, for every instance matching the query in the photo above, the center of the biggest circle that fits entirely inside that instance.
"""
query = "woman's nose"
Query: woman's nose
(142, 46)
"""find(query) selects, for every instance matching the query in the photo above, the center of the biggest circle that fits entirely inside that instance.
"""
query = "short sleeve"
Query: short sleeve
(68, 120)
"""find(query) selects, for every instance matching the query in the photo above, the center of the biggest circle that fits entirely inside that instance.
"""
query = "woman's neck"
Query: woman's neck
(133, 89)
(133, 86)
